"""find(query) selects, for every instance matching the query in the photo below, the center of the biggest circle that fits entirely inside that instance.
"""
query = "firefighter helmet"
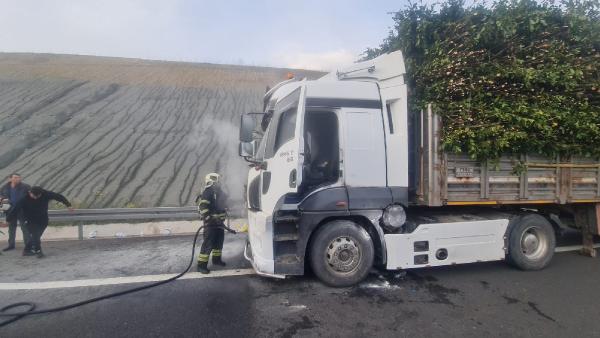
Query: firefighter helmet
(212, 179)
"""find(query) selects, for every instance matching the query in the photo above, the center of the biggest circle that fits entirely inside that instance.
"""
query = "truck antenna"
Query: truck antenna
(341, 75)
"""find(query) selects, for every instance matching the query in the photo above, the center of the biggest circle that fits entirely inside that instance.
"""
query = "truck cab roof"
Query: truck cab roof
(332, 94)
(357, 82)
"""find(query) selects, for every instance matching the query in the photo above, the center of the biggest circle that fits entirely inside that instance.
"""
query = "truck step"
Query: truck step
(285, 228)
(286, 219)
(287, 259)
(285, 237)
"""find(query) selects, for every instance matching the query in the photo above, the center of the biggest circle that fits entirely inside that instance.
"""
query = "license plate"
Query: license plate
(464, 172)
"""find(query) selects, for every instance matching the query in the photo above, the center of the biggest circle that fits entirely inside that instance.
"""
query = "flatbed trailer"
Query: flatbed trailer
(564, 189)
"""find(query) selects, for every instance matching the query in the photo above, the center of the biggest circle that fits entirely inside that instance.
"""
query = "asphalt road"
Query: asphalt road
(490, 299)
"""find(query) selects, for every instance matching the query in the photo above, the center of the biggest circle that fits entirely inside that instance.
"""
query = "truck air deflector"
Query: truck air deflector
(348, 103)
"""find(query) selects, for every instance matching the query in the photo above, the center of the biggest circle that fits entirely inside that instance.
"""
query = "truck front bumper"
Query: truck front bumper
(248, 255)
(259, 247)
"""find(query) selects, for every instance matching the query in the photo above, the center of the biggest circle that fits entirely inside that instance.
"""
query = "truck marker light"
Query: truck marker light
(341, 204)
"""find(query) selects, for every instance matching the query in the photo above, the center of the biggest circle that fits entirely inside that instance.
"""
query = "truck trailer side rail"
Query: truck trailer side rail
(455, 179)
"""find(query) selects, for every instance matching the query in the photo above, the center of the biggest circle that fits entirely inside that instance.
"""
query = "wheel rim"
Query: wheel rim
(534, 243)
(343, 254)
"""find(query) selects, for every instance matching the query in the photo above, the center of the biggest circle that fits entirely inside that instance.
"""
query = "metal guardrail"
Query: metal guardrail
(130, 214)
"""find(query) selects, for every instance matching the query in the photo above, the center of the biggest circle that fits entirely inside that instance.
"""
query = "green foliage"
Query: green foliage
(515, 77)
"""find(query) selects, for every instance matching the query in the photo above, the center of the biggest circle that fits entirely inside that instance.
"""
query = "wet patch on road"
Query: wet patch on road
(283, 287)
(535, 308)
(304, 324)
(400, 287)
(441, 294)
(374, 293)
(532, 305)
(510, 300)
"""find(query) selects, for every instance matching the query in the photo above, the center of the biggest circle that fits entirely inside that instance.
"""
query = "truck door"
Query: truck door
(282, 166)
(364, 151)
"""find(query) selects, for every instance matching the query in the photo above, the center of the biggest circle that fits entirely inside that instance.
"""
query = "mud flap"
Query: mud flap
(588, 217)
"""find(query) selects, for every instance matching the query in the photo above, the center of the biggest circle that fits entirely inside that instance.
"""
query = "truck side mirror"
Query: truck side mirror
(247, 149)
(247, 125)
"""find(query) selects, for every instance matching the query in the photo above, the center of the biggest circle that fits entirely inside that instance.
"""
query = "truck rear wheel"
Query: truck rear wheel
(531, 243)
(341, 253)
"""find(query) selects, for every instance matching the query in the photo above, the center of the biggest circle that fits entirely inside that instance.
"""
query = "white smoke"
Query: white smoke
(225, 159)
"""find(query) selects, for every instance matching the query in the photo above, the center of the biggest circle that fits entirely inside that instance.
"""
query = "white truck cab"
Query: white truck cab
(330, 184)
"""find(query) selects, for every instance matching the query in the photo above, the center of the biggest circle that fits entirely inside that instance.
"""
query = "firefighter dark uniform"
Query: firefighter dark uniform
(212, 209)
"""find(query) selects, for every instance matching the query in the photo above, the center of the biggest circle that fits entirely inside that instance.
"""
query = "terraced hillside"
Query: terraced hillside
(112, 132)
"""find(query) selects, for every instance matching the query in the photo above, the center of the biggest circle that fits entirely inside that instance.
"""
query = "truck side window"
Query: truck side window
(322, 162)
(286, 128)
(283, 123)
(388, 107)
(260, 154)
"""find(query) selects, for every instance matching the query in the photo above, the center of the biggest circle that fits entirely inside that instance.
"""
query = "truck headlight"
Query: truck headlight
(394, 217)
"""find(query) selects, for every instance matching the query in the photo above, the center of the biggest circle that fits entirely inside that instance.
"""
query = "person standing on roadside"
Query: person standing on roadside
(34, 207)
(12, 192)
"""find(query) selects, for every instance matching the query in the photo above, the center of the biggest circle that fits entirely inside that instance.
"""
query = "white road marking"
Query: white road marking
(155, 278)
(573, 248)
(120, 280)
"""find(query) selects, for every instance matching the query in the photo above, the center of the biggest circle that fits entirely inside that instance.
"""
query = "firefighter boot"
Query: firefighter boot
(216, 260)
(203, 267)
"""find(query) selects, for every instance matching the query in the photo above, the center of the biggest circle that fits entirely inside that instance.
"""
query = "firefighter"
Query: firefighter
(212, 208)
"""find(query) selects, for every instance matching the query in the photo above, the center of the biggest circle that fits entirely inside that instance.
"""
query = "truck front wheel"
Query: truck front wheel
(341, 253)
(531, 243)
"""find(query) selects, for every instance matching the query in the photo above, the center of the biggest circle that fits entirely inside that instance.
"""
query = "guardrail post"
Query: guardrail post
(80, 230)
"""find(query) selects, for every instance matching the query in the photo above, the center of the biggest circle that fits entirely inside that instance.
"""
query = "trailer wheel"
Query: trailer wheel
(531, 243)
(341, 253)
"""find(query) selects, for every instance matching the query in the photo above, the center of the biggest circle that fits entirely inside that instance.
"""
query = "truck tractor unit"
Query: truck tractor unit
(343, 178)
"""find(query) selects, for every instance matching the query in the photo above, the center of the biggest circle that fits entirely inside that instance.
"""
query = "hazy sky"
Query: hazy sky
(307, 34)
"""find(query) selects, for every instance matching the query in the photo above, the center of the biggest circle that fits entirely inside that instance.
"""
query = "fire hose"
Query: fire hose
(31, 307)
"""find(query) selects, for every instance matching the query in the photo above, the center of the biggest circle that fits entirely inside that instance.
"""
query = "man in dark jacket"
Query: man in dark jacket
(34, 207)
(212, 208)
(11, 193)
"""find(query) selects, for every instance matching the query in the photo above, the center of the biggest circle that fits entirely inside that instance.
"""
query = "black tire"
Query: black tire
(351, 248)
(531, 242)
